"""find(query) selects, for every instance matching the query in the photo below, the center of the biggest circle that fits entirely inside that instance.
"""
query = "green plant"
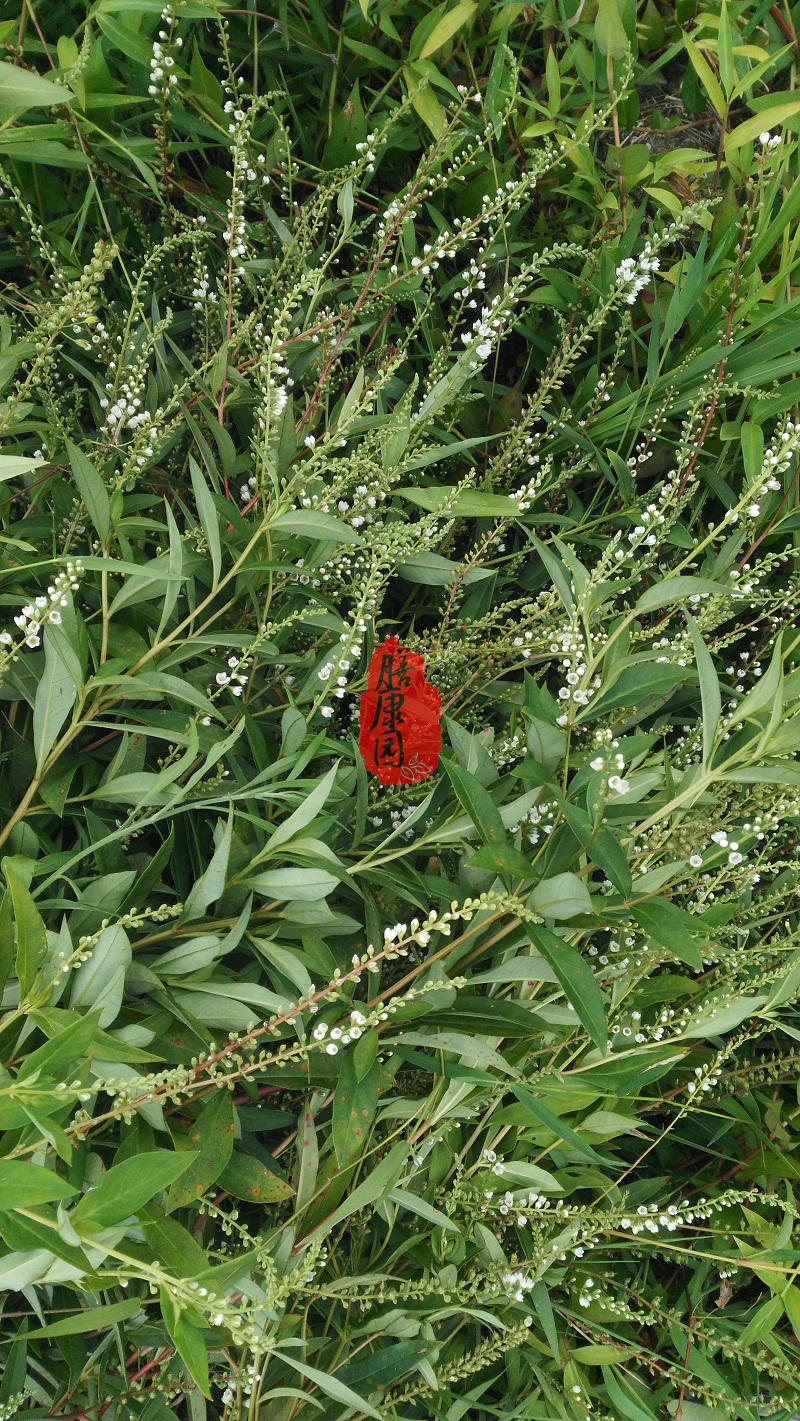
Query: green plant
(472, 1098)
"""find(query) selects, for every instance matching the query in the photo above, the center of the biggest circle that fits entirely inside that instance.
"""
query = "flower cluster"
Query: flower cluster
(603, 762)
(571, 649)
(125, 411)
(338, 1036)
(235, 678)
(162, 65)
(633, 276)
(45, 608)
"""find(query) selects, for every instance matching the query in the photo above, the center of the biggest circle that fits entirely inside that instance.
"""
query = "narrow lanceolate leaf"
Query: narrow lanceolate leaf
(305, 813)
(127, 1186)
(477, 801)
(210, 1142)
(709, 690)
(188, 1339)
(93, 492)
(207, 513)
(576, 978)
(211, 883)
(247, 1178)
(671, 927)
(23, 1185)
(559, 1127)
(676, 589)
(307, 1159)
(562, 896)
(329, 1385)
(22, 89)
(31, 935)
(55, 697)
(354, 1104)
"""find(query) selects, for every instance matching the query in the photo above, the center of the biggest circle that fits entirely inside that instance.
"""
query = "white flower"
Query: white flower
(618, 784)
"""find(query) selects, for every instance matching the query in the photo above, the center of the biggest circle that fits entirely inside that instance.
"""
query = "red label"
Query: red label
(400, 711)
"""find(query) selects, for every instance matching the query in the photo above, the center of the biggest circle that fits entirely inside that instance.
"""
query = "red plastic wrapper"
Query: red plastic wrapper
(401, 733)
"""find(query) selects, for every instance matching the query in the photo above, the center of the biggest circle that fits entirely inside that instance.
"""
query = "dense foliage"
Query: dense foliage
(477, 1097)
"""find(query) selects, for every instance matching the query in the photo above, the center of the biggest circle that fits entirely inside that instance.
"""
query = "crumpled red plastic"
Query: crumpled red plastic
(400, 732)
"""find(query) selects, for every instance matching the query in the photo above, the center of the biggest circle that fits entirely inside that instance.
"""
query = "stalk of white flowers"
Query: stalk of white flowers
(162, 63)
(43, 610)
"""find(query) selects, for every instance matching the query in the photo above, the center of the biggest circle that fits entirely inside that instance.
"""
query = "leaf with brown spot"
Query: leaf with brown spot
(247, 1178)
(211, 1135)
(354, 1105)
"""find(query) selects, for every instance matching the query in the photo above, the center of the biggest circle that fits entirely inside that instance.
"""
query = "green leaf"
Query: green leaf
(670, 927)
(209, 518)
(294, 884)
(87, 1320)
(23, 1185)
(124, 1188)
(672, 589)
(354, 1105)
(188, 1340)
(306, 812)
(100, 982)
(31, 935)
(707, 77)
(767, 694)
(547, 743)
(55, 697)
(22, 89)
(559, 1128)
(93, 492)
(609, 31)
(432, 570)
(477, 801)
(423, 99)
(503, 859)
(765, 119)
(717, 1021)
(317, 526)
(210, 1141)
(211, 883)
(344, 206)
(371, 1190)
(331, 1387)
(553, 81)
(447, 27)
(752, 437)
(634, 685)
(13, 465)
(709, 690)
(605, 850)
(171, 1243)
(63, 1049)
(576, 979)
(791, 1302)
(727, 64)
(562, 896)
(787, 986)
(468, 503)
(307, 1159)
(245, 1177)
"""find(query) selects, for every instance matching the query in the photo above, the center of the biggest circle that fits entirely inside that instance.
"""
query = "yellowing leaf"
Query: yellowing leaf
(706, 75)
(424, 101)
(767, 119)
(449, 25)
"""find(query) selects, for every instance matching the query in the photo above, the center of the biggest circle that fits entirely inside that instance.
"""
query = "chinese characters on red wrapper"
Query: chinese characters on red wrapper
(400, 711)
